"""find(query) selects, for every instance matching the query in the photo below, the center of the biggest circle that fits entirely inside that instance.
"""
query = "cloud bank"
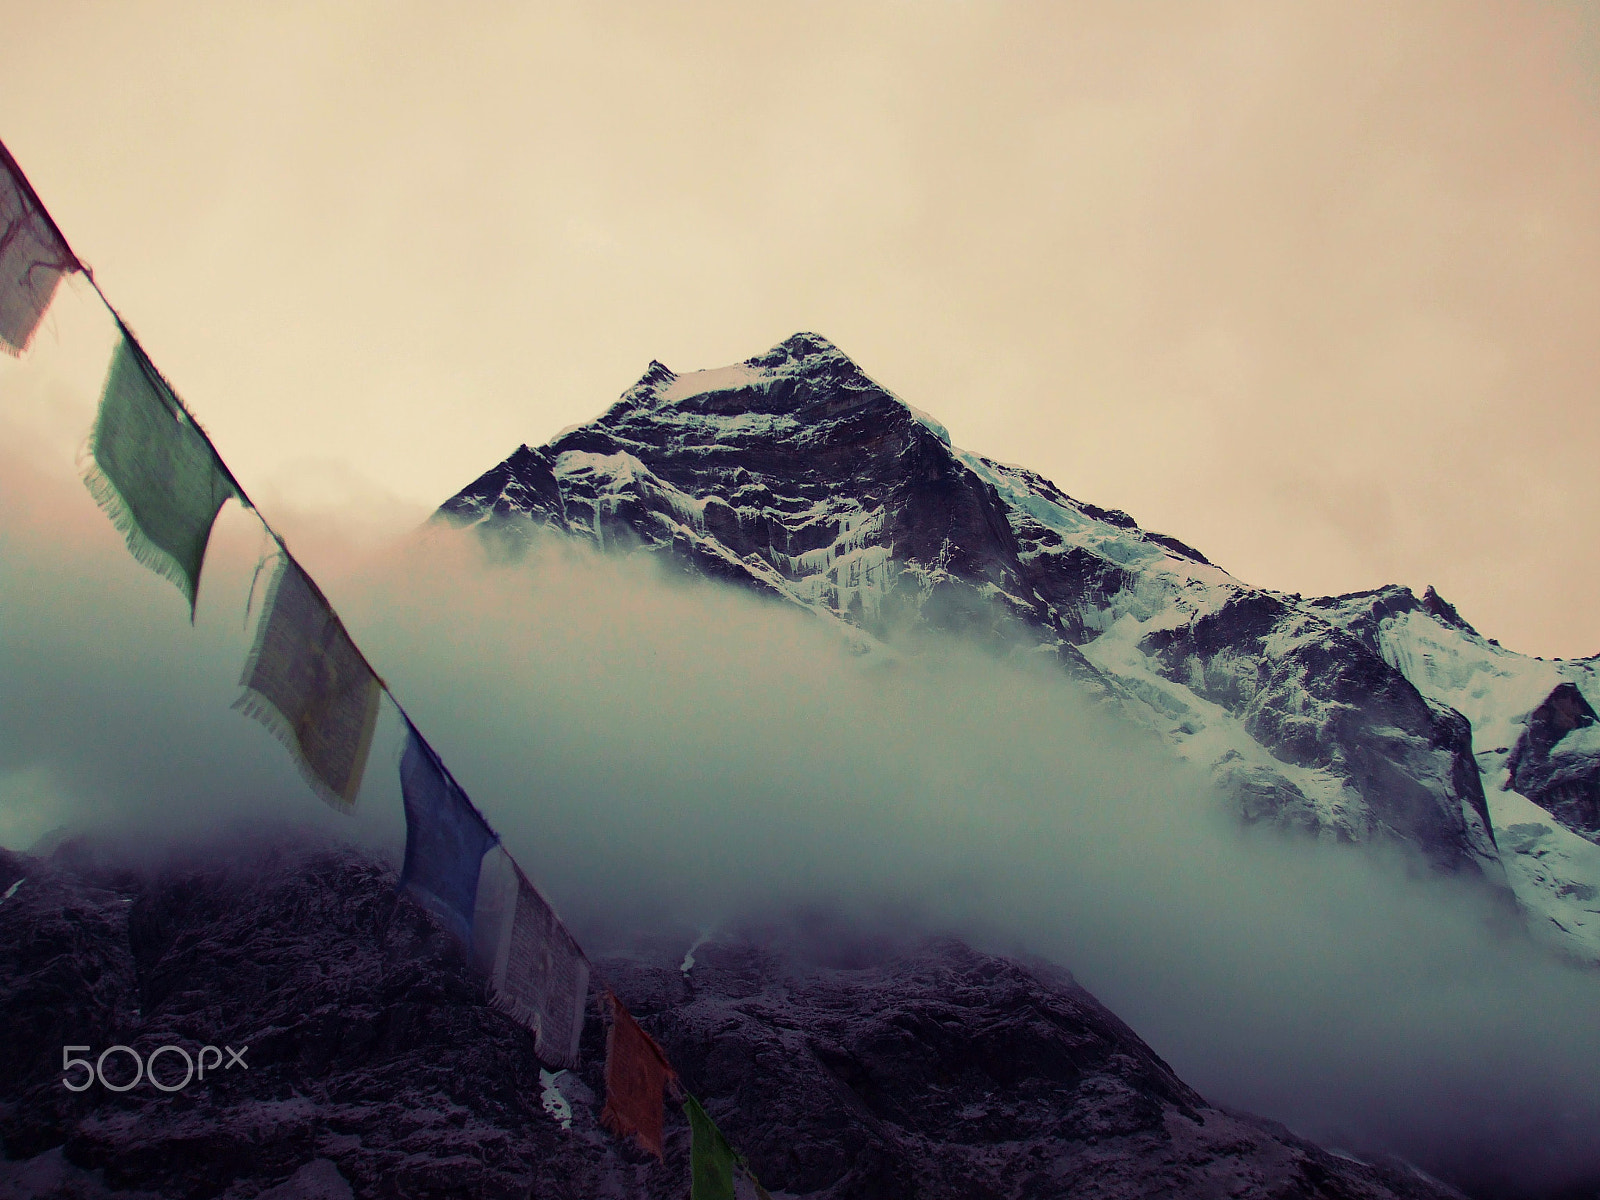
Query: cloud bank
(667, 757)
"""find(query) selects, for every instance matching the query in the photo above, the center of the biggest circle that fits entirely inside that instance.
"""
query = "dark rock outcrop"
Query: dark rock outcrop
(1545, 767)
(376, 1069)
(343, 997)
(1317, 696)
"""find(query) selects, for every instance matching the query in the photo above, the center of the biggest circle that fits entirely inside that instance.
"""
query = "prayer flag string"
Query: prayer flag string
(159, 478)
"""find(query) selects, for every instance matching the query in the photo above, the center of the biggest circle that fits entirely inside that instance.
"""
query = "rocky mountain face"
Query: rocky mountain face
(1352, 717)
(371, 1064)
(1556, 770)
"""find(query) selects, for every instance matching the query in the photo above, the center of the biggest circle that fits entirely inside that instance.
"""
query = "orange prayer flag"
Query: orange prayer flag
(637, 1073)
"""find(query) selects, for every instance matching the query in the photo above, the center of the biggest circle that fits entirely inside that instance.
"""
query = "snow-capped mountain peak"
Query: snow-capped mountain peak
(1371, 715)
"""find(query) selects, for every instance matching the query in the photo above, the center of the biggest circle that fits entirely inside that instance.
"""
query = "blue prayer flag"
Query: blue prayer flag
(446, 839)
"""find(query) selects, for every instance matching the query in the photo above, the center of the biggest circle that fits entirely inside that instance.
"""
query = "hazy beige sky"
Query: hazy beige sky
(1314, 287)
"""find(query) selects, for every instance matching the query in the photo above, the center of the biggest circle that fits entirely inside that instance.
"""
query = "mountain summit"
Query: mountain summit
(1374, 715)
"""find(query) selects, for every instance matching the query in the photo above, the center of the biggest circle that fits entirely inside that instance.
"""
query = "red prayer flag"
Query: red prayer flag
(637, 1072)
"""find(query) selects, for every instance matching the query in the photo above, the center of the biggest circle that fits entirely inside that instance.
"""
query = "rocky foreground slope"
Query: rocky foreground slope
(1374, 715)
(376, 1069)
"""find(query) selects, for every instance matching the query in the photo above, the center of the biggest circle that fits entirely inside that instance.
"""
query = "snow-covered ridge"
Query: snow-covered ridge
(718, 379)
(1373, 715)
(1553, 868)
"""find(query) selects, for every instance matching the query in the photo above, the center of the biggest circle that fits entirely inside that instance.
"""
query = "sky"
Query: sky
(1313, 287)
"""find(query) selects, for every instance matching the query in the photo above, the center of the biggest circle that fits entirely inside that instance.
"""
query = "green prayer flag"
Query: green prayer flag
(154, 472)
(711, 1159)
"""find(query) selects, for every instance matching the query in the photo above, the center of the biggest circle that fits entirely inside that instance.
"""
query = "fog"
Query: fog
(669, 757)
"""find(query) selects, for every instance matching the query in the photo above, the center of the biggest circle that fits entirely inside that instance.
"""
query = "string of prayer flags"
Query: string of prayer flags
(637, 1072)
(309, 685)
(537, 975)
(154, 472)
(160, 480)
(446, 838)
(33, 257)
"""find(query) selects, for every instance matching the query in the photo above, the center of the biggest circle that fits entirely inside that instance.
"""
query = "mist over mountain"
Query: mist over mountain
(903, 748)
(1376, 715)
